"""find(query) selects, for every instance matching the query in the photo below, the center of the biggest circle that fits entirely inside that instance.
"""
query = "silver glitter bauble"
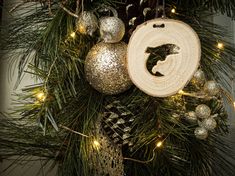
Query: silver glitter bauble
(112, 29)
(191, 117)
(201, 133)
(105, 68)
(87, 23)
(199, 77)
(203, 111)
(211, 88)
(209, 123)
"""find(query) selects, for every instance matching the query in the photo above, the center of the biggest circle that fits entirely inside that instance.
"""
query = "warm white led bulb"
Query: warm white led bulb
(159, 144)
(181, 92)
(96, 144)
(73, 34)
(173, 10)
(41, 96)
(220, 45)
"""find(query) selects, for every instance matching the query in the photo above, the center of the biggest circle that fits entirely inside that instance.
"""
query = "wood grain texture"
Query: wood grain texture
(177, 69)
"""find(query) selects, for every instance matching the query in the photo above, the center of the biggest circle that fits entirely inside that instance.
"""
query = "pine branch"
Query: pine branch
(222, 6)
(71, 102)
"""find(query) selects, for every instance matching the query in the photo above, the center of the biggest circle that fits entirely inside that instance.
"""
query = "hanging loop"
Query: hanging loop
(106, 7)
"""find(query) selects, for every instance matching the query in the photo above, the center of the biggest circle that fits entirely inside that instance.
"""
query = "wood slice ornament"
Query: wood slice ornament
(177, 67)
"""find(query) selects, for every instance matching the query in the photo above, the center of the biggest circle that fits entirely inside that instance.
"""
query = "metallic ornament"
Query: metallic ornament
(209, 123)
(87, 23)
(211, 88)
(112, 29)
(201, 133)
(105, 68)
(203, 111)
(199, 77)
(191, 117)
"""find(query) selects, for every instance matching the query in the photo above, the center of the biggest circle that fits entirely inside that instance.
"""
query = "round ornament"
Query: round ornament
(201, 133)
(87, 23)
(199, 77)
(191, 117)
(209, 123)
(176, 48)
(105, 68)
(112, 29)
(203, 111)
(211, 88)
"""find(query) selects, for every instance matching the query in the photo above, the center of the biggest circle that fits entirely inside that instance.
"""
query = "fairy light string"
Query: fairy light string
(158, 145)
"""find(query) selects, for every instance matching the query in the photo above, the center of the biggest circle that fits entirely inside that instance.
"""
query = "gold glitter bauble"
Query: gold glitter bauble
(191, 117)
(201, 133)
(199, 77)
(87, 23)
(203, 111)
(211, 88)
(105, 68)
(209, 123)
(112, 29)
